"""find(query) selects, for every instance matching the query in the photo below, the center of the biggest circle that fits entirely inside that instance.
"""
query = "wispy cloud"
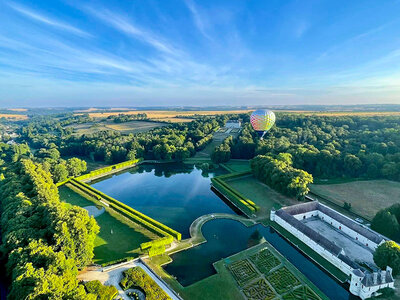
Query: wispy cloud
(200, 22)
(126, 26)
(47, 20)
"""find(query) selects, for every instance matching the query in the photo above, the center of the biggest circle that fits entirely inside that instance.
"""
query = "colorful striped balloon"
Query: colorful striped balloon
(262, 120)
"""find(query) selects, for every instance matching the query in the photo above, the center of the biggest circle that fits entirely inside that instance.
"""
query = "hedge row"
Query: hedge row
(108, 169)
(246, 205)
(128, 211)
(201, 144)
(157, 243)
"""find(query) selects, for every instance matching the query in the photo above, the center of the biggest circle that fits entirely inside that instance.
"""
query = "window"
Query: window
(340, 227)
(366, 244)
(356, 238)
(304, 217)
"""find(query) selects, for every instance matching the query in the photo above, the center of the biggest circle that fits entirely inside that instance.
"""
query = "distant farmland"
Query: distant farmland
(14, 116)
(165, 115)
(366, 197)
(125, 128)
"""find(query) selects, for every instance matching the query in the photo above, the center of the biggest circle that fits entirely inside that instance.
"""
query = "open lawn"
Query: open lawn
(366, 197)
(263, 196)
(125, 128)
(237, 165)
(118, 238)
(218, 137)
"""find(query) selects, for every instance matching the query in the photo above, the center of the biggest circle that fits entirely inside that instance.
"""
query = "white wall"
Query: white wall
(316, 247)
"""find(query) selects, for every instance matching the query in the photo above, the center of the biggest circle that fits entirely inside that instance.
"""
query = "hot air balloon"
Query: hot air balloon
(262, 120)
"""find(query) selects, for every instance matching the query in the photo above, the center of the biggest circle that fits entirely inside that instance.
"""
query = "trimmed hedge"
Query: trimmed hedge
(157, 243)
(108, 169)
(243, 203)
(128, 211)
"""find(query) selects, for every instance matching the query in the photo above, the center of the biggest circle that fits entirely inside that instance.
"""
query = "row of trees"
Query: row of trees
(123, 118)
(279, 173)
(43, 240)
(222, 153)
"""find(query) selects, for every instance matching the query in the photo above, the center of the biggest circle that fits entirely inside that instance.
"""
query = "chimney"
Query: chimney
(375, 276)
(389, 270)
(383, 277)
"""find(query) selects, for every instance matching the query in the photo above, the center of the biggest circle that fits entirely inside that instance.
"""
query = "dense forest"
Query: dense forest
(44, 241)
(329, 146)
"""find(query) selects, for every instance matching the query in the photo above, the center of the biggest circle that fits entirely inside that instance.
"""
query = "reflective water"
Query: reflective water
(174, 194)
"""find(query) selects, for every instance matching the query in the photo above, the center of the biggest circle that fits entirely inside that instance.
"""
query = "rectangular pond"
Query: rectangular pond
(173, 194)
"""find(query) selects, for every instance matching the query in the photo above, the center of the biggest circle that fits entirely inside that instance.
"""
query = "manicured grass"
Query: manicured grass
(118, 237)
(366, 197)
(238, 165)
(263, 196)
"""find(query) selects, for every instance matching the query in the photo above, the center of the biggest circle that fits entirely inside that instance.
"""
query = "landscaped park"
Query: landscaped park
(175, 217)
(178, 195)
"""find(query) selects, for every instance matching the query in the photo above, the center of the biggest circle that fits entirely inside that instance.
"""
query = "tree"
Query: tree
(388, 254)
(60, 173)
(385, 222)
(76, 166)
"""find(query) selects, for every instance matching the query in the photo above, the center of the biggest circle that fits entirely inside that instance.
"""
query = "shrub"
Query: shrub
(102, 292)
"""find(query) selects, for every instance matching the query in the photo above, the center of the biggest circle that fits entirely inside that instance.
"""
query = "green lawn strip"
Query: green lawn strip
(126, 236)
(330, 268)
(237, 166)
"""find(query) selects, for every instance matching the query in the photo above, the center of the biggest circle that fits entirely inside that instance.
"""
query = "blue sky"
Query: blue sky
(197, 53)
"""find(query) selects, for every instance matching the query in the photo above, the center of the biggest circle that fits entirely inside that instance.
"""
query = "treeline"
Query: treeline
(43, 240)
(330, 146)
(123, 118)
(175, 141)
(387, 222)
(222, 153)
(279, 174)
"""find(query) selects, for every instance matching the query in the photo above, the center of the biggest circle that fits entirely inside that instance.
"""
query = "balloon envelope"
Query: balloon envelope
(262, 120)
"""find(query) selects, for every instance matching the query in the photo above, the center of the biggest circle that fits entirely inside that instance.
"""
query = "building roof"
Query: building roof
(315, 205)
(358, 273)
(307, 231)
(368, 280)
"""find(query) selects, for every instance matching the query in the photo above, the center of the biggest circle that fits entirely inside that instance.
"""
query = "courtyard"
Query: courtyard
(353, 249)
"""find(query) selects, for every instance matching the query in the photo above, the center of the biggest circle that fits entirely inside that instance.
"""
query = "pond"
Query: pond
(196, 263)
(174, 194)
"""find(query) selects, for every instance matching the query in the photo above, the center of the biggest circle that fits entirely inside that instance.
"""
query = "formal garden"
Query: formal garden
(263, 273)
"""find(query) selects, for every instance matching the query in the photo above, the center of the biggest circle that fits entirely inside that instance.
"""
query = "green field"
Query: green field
(237, 165)
(366, 197)
(118, 237)
(263, 196)
(125, 128)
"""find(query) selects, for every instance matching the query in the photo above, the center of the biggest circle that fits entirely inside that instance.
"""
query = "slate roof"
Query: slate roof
(358, 273)
(315, 205)
(368, 280)
(307, 231)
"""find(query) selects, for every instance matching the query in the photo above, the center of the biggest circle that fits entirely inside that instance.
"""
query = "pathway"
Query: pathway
(114, 274)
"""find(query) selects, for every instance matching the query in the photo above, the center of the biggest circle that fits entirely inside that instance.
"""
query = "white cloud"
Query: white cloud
(47, 20)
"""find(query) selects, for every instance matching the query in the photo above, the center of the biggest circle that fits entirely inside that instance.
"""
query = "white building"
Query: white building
(363, 283)
(233, 124)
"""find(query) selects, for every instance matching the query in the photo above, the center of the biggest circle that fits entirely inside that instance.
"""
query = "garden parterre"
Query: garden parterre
(262, 273)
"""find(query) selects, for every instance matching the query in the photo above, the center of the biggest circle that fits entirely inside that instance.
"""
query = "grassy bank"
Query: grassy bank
(118, 237)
